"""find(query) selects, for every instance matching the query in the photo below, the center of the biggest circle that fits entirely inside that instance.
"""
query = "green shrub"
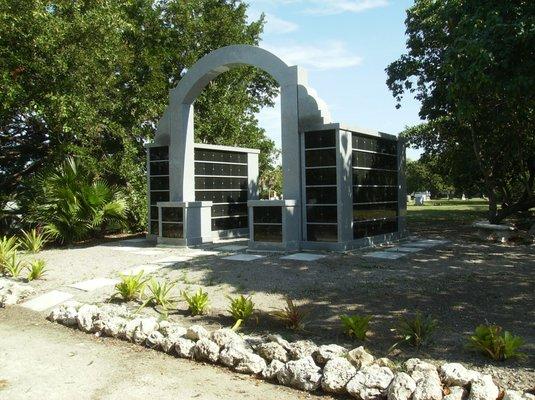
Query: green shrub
(36, 270)
(292, 316)
(417, 331)
(8, 245)
(496, 343)
(198, 302)
(131, 287)
(241, 308)
(33, 241)
(159, 294)
(14, 266)
(73, 205)
(356, 325)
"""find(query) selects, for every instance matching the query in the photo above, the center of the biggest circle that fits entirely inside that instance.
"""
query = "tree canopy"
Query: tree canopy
(471, 64)
(91, 78)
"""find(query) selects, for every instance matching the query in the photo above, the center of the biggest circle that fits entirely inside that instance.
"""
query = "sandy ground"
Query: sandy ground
(42, 360)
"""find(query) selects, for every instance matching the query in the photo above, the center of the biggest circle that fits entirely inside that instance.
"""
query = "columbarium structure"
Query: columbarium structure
(343, 187)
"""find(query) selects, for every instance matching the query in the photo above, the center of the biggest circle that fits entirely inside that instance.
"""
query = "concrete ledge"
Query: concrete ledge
(272, 203)
(225, 148)
(492, 227)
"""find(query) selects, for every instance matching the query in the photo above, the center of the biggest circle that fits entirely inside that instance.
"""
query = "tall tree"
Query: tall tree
(471, 64)
(91, 79)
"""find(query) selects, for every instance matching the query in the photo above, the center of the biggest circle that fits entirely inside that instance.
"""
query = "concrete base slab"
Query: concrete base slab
(232, 247)
(405, 249)
(386, 255)
(47, 300)
(427, 243)
(303, 257)
(147, 269)
(93, 284)
(243, 257)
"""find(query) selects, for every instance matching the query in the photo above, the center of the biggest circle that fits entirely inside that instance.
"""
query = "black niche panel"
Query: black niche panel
(220, 156)
(159, 168)
(317, 139)
(154, 213)
(172, 214)
(322, 233)
(174, 230)
(230, 209)
(159, 153)
(159, 183)
(220, 183)
(268, 233)
(375, 177)
(374, 194)
(364, 212)
(325, 214)
(379, 145)
(374, 160)
(320, 176)
(154, 227)
(374, 228)
(221, 196)
(267, 215)
(202, 168)
(321, 195)
(227, 223)
(321, 158)
(156, 197)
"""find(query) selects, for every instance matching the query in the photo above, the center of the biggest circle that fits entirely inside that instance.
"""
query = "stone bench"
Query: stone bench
(487, 231)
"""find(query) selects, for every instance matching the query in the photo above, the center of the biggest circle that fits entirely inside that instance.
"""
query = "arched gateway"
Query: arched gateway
(343, 187)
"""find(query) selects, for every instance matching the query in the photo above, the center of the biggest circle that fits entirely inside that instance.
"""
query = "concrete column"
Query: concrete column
(181, 155)
(345, 185)
(402, 188)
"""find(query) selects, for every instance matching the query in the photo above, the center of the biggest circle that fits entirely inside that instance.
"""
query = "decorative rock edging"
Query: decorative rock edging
(300, 364)
(12, 292)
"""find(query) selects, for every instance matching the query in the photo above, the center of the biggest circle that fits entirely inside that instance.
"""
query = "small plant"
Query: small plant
(8, 245)
(496, 343)
(131, 287)
(160, 294)
(292, 316)
(198, 302)
(241, 308)
(33, 241)
(356, 325)
(36, 270)
(417, 331)
(14, 266)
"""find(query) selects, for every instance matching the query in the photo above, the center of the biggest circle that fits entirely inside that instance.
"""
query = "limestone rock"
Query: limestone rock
(271, 371)
(129, 328)
(232, 355)
(272, 351)
(370, 382)
(169, 329)
(336, 373)
(386, 362)
(360, 358)
(225, 337)
(512, 395)
(401, 387)
(196, 332)
(206, 350)
(456, 393)
(279, 340)
(84, 317)
(114, 326)
(328, 352)
(301, 349)
(251, 364)
(455, 374)
(428, 386)
(184, 347)
(145, 327)
(301, 374)
(483, 388)
(154, 340)
(65, 315)
(13, 292)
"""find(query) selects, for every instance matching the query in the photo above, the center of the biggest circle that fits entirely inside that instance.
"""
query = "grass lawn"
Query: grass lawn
(455, 210)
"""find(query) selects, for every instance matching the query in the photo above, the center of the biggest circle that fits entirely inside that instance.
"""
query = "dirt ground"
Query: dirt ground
(42, 360)
(462, 284)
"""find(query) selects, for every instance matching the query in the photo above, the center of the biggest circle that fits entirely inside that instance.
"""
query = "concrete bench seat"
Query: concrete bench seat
(487, 231)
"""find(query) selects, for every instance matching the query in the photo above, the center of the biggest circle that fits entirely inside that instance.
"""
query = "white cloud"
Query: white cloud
(323, 56)
(274, 24)
(326, 7)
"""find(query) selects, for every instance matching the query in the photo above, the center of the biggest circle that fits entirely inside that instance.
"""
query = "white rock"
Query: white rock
(385, 362)
(483, 388)
(428, 387)
(145, 327)
(206, 350)
(12, 292)
(279, 340)
(272, 351)
(302, 374)
(301, 349)
(357, 387)
(455, 374)
(271, 371)
(336, 373)
(328, 352)
(129, 328)
(184, 347)
(84, 317)
(231, 356)
(512, 395)
(65, 315)
(251, 364)
(196, 332)
(455, 393)
(174, 330)
(154, 340)
(225, 337)
(401, 387)
(360, 358)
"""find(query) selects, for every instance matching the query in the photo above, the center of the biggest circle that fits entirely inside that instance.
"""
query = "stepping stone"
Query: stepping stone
(93, 284)
(147, 269)
(303, 257)
(47, 300)
(405, 249)
(387, 255)
(140, 251)
(428, 243)
(232, 247)
(243, 257)
(170, 261)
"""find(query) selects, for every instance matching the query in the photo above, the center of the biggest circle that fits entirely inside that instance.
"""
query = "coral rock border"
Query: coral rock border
(301, 364)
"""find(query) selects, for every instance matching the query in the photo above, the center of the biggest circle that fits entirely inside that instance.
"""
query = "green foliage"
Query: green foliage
(13, 265)
(422, 175)
(198, 302)
(271, 182)
(8, 246)
(356, 326)
(241, 308)
(33, 241)
(292, 316)
(471, 66)
(36, 269)
(92, 81)
(131, 287)
(159, 294)
(496, 343)
(73, 205)
(417, 331)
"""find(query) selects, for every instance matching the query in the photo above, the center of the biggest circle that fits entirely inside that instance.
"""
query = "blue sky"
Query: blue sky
(345, 45)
